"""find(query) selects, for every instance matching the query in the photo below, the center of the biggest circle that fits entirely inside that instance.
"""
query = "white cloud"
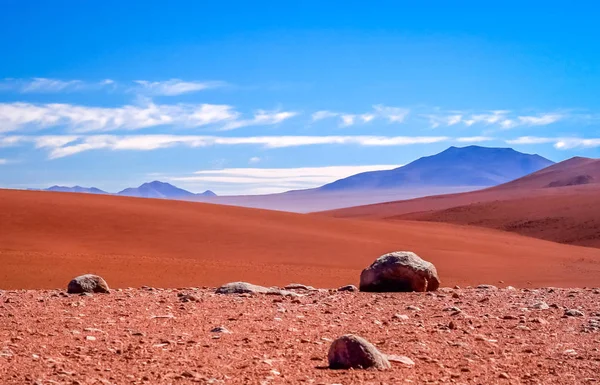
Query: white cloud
(50, 85)
(570, 143)
(449, 120)
(319, 115)
(3, 161)
(254, 160)
(347, 120)
(269, 180)
(474, 139)
(530, 140)
(16, 116)
(62, 146)
(261, 118)
(174, 87)
(47, 85)
(559, 143)
(391, 114)
(503, 118)
(540, 120)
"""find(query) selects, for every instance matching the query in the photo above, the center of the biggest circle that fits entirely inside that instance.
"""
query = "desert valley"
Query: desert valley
(515, 261)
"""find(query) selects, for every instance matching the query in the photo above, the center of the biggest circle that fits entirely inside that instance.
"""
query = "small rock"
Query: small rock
(487, 287)
(350, 351)
(248, 288)
(187, 297)
(400, 359)
(540, 321)
(220, 329)
(573, 313)
(298, 286)
(400, 316)
(540, 306)
(348, 288)
(452, 309)
(90, 338)
(413, 308)
(570, 352)
(504, 376)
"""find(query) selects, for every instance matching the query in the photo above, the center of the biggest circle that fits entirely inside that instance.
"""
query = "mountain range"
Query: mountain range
(455, 169)
(558, 203)
(154, 189)
(456, 166)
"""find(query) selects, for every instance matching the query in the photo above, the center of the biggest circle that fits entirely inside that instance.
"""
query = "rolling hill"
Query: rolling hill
(46, 239)
(559, 203)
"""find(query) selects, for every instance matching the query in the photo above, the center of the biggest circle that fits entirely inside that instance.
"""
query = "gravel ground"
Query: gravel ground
(167, 336)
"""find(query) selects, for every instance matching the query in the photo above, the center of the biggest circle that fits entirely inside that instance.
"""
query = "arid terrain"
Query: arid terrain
(149, 336)
(163, 323)
(48, 238)
(559, 203)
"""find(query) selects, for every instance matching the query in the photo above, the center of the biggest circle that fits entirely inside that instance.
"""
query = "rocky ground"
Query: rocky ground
(179, 336)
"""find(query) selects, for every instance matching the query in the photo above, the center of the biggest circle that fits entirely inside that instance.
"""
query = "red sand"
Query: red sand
(47, 238)
(569, 213)
(462, 336)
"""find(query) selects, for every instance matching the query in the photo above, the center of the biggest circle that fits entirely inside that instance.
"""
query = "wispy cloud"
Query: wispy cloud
(174, 87)
(564, 143)
(254, 160)
(3, 161)
(270, 180)
(261, 118)
(502, 119)
(76, 118)
(171, 87)
(61, 146)
(475, 139)
(391, 114)
(48, 85)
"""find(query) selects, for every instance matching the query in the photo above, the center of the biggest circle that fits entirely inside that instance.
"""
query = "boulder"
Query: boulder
(88, 283)
(399, 271)
(350, 351)
(245, 287)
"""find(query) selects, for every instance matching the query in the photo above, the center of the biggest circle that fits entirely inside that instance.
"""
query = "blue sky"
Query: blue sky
(256, 97)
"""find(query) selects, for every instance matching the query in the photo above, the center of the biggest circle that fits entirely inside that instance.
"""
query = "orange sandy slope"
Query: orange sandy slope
(47, 238)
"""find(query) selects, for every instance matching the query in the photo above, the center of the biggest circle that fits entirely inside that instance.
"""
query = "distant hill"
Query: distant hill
(76, 189)
(571, 172)
(456, 166)
(559, 203)
(156, 189)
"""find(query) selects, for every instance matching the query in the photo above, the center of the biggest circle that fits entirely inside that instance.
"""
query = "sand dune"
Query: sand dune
(47, 238)
(560, 203)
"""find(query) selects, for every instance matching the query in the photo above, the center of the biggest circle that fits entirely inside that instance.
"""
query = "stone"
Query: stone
(573, 313)
(88, 283)
(487, 287)
(298, 286)
(220, 329)
(350, 351)
(400, 271)
(348, 288)
(248, 288)
(540, 306)
(400, 359)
